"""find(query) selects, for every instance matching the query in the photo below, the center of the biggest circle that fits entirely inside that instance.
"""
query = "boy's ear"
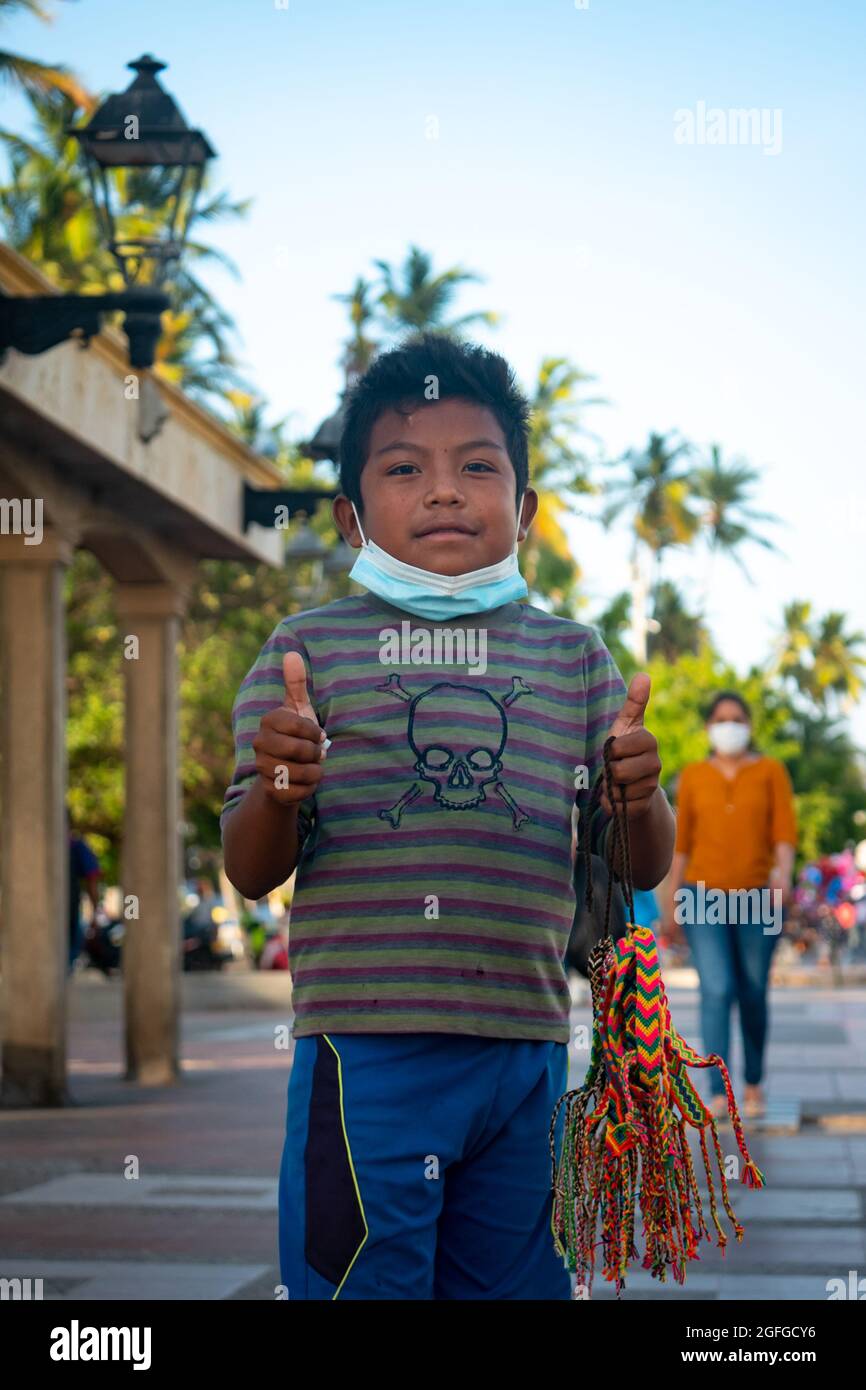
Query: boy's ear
(344, 520)
(527, 512)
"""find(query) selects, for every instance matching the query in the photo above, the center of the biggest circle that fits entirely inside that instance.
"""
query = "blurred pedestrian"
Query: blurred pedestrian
(275, 955)
(736, 830)
(84, 875)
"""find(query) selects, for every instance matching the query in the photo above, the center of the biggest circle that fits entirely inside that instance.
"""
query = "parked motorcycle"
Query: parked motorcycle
(210, 936)
(103, 940)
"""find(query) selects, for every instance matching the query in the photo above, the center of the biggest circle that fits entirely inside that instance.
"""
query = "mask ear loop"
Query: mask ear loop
(360, 527)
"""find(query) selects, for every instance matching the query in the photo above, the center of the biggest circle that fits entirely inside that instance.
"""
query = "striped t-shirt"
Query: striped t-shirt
(434, 889)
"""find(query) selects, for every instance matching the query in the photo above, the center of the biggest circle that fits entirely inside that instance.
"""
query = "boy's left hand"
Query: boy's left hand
(634, 756)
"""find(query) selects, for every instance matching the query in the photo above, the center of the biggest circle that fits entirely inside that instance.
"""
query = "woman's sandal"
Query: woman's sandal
(718, 1108)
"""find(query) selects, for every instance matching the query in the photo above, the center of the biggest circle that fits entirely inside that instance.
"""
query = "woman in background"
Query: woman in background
(736, 829)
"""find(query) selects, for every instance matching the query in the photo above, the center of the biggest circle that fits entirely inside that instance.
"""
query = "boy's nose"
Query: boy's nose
(443, 491)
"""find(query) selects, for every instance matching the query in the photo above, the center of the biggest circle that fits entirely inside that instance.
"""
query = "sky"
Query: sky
(569, 154)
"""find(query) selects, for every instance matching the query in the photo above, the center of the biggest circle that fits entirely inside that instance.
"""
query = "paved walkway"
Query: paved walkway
(807, 1225)
(199, 1222)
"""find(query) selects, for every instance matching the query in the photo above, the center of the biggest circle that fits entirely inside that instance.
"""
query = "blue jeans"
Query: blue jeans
(733, 963)
(417, 1166)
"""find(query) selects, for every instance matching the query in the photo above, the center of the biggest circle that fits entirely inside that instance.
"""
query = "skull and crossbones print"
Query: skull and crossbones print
(459, 779)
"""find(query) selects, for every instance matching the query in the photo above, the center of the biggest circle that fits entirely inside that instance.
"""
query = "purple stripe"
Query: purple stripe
(508, 636)
(323, 974)
(541, 950)
(481, 839)
(449, 1006)
(397, 872)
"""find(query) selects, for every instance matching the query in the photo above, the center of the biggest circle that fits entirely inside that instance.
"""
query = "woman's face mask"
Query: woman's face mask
(436, 596)
(729, 736)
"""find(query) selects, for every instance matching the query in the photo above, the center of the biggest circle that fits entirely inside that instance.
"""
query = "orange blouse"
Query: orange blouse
(728, 828)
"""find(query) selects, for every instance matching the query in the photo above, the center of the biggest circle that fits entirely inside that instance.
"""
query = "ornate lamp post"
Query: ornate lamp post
(143, 132)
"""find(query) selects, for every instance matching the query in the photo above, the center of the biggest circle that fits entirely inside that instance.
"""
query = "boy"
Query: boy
(425, 795)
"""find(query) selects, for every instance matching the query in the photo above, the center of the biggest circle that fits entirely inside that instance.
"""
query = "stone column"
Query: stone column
(34, 950)
(151, 860)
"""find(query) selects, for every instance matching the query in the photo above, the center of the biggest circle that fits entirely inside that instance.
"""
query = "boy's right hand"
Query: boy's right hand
(288, 745)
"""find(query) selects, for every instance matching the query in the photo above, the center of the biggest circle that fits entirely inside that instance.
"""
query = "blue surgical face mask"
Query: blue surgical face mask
(436, 596)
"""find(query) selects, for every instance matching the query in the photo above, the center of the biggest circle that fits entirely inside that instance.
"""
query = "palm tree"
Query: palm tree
(194, 350)
(39, 80)
(839, 662)
(675, 630)
(823, 661)
(46, 206)
(415, 298)
(387, 307)
(360, 349)
(557, 463)
(560, 471)
(729, 521)
(656, 492)
(794, 647)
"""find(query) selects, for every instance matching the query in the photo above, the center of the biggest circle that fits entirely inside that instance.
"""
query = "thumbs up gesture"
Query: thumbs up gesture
(634, 757)
(290, 746)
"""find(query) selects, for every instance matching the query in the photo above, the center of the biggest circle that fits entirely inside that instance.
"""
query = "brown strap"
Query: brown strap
(617, 839)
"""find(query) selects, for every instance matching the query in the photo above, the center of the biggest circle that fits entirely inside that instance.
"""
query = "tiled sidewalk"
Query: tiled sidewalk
(200, 1222)
(807, 1225)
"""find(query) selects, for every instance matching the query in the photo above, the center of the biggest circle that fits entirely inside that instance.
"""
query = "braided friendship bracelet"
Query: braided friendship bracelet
(625, 1143)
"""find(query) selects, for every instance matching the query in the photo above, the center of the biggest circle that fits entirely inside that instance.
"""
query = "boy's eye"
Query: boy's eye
(404, 468)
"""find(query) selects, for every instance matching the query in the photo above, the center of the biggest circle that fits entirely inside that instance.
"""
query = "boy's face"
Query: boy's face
(439, 490)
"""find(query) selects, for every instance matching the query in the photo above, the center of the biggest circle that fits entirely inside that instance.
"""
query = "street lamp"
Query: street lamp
(142, 131)
(325, 443)
(262, 505)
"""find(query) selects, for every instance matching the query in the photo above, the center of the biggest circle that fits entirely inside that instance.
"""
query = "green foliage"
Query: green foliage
(613, 624)
(94, 738)
(679, 630)
(233, 611)
(828, 776)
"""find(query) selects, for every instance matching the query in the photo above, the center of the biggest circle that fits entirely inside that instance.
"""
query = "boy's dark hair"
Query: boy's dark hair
(397, 380)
